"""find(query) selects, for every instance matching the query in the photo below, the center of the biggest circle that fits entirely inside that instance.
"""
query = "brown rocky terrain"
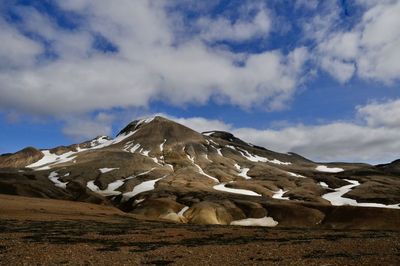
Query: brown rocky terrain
(36, 231)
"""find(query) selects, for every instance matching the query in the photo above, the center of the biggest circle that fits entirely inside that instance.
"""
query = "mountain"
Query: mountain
(159, 169)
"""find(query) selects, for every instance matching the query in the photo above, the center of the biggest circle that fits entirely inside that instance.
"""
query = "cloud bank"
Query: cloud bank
(373, 135)
(148, 61)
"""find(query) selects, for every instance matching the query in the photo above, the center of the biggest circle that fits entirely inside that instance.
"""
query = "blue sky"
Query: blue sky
(320, 78)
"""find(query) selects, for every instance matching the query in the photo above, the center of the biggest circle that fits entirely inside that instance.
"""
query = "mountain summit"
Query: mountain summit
(160, 169)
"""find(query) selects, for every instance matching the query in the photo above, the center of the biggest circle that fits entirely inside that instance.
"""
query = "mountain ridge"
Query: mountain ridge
(163, 170)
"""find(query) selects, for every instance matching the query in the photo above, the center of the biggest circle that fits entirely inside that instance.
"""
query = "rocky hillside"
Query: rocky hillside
(160, 169)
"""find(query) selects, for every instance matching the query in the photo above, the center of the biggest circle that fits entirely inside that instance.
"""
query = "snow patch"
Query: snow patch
(51, 159)
(265, 221)
(200, 170)
(257, 158)
(336, 198)
(208, 133)
(162, 145)
(144, 173)
(206, 156)
(222, 187)
(98, 141)
(243, 171)
(279, 195)
(207, 175)
(324, 168)
(109, 191)
(296, 175)
(53, 176)
(142, 187)
(106, 170)
(190, 158)
(181, 212)
(324, 185)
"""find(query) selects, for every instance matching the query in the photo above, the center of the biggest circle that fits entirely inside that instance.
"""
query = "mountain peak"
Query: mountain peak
(157, 128)
(134, 125)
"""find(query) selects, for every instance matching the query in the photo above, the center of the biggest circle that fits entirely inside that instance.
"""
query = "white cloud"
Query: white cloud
(84, 128)
(222, 28)
(381, 114)
(201, 124)
(370, 49)
(15, 49)
(375, 139)
(380, 43)
(150, 64)
(339, 69)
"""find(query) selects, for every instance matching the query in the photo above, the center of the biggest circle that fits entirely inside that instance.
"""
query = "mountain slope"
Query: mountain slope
(163, 170)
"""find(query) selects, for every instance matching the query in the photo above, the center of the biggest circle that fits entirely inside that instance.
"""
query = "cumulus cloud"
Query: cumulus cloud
(374, 139)
(84, 128)
(243, 28)
(16, 50)
(149, 63)
(370, 49)
(381, 114)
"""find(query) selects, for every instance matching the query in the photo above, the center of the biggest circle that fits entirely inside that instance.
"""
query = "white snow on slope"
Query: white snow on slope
(50, 159)
(207, 175)
(190, 158)
(206, 156)
(135, 148)
(118, 139)
(324, 185)
(257, 158)
(131, 149)
(279, 195)
(106, 170)
(296, 175)
(324, 168)
(144, 173)
(147, 120)
(336, 198)
(222, 187)
(170, 166)
(162, 145)
(109, 191)
(181, 212)
(243, 171)
(265, 221)
(142, 187)
(200, 170)
(98, 141)
(208, 133)
(53, 176)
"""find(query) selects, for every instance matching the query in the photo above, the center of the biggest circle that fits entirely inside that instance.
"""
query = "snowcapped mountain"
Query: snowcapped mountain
(160, 169)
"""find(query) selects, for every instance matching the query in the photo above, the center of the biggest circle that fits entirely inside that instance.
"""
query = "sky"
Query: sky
(319, 78)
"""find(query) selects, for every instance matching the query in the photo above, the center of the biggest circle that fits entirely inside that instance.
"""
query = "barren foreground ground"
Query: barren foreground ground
(48, 232)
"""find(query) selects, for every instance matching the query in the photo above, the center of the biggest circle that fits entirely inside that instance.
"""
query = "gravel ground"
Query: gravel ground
(52, 232)
(136, 242)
